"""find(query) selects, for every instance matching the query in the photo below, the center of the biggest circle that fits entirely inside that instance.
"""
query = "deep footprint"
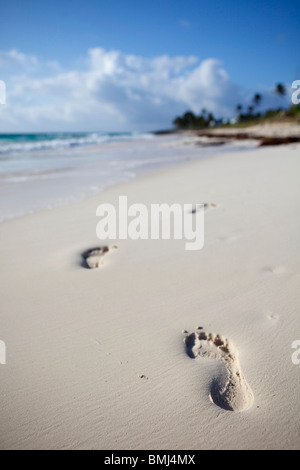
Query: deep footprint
(93, 258)
(233, 393)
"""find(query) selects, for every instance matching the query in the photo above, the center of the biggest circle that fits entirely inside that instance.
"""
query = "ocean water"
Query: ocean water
(43, 171)
(12, 143)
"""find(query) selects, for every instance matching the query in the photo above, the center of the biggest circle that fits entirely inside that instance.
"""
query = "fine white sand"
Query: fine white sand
(113, 357)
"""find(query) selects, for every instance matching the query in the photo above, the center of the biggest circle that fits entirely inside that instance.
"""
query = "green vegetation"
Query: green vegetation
(246, 115)
(190, 121)
(294, 112)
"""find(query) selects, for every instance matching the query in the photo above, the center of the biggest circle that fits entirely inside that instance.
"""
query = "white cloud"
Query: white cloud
(16, 58)
(114, 91)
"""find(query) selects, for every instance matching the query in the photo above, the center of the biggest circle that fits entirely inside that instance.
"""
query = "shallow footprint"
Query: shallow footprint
(207, 205)
(274, 269)
(232, 393)
(93, 258)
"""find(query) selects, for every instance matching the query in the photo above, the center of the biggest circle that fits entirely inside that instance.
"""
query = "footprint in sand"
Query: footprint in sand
(230, 392)
(93, 258)
(275, 269)
(207, 205)
(272, 317)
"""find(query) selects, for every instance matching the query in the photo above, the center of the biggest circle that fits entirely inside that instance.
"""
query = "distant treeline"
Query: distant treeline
(244, 114)
(190, 121)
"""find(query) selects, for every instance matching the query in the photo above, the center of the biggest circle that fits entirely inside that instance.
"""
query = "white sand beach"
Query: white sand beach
(96, 358)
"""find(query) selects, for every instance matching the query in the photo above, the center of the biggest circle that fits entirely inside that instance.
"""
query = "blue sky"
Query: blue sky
(122, 65)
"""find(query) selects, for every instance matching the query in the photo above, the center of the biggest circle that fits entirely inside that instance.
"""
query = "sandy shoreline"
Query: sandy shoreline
(266, 130)
(96, 359)
(264, 134)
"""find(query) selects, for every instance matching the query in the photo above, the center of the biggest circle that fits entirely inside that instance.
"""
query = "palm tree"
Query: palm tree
(280, 89)
(189, 119)
(256, 100)
(178, 122)
(239, 108)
